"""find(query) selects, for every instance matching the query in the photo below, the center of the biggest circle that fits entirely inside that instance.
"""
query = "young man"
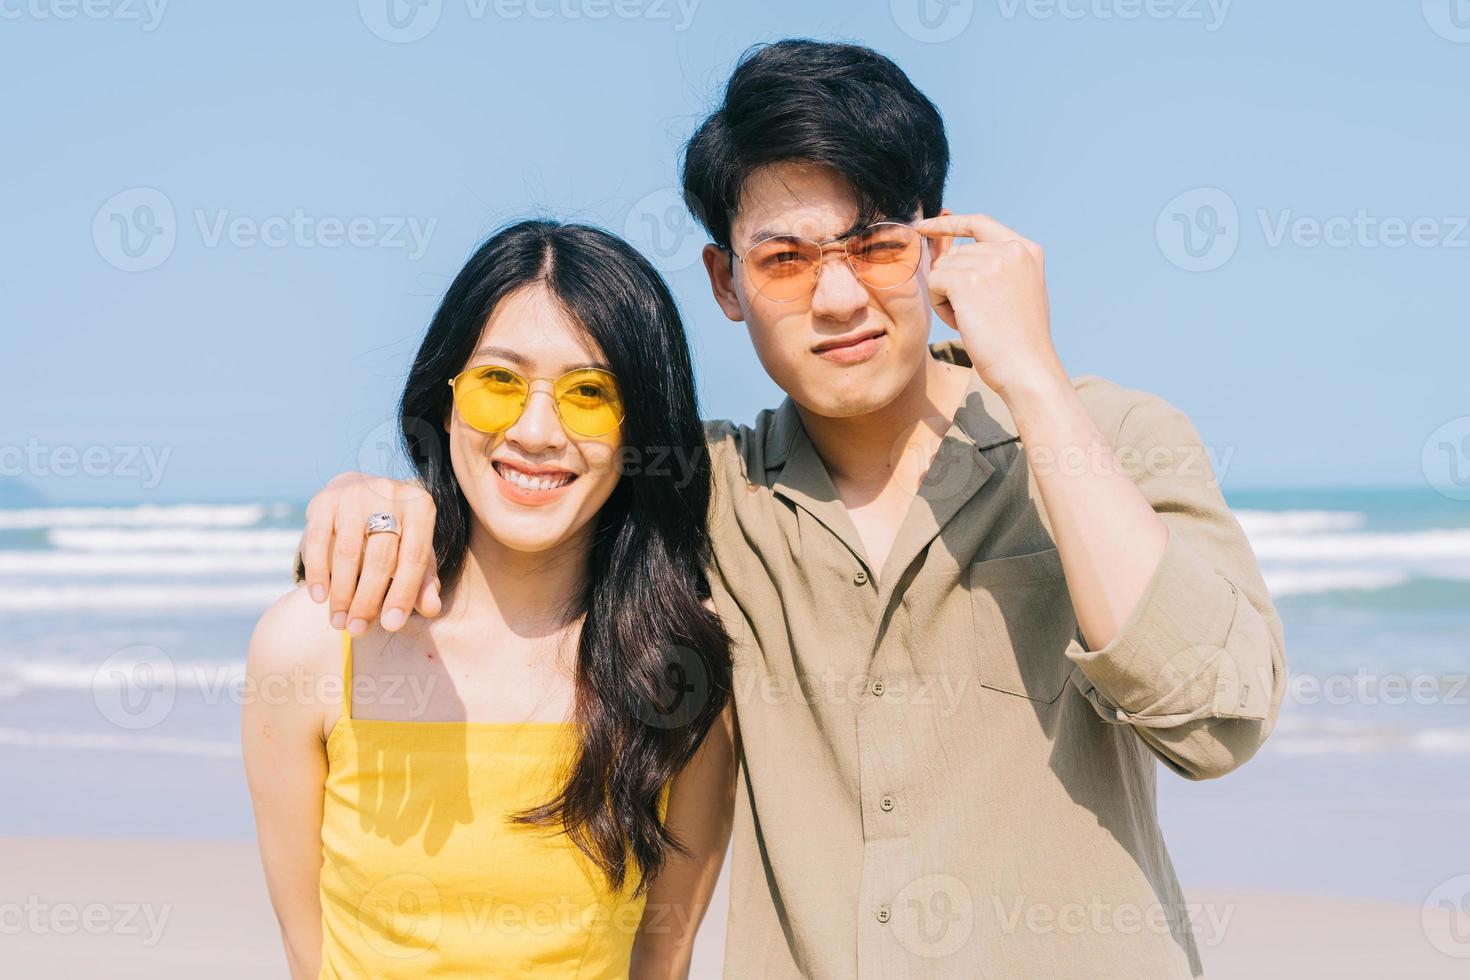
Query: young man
(973, 599)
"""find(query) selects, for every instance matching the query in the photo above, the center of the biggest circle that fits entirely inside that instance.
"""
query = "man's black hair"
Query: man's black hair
(842, 105)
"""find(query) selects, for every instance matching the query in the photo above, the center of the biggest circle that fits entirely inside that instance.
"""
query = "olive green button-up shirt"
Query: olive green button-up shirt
(938, 778)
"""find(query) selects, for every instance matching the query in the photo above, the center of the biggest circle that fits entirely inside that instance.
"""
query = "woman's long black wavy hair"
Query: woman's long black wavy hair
(653, 662)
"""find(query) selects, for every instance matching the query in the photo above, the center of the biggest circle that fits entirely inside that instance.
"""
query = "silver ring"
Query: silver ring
(380, 523)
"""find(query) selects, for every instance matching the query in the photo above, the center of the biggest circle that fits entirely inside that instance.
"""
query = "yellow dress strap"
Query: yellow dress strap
(347, 675)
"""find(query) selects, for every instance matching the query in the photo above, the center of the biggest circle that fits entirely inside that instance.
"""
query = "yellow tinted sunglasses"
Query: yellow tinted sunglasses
(491, 398)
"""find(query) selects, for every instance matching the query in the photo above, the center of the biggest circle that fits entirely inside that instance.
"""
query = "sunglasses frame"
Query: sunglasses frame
(822, 247)
(555, 399)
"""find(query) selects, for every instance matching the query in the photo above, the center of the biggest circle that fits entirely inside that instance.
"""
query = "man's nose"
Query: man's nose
(838, 294)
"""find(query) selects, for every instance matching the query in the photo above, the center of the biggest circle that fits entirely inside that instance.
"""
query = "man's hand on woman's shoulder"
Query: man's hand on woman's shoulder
(362, 578)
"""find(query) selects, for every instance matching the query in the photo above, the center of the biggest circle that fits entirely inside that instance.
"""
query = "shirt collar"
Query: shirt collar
(982, 417)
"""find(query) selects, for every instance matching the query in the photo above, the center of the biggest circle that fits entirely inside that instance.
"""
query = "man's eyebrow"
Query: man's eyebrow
(765, 233)
(517, 360)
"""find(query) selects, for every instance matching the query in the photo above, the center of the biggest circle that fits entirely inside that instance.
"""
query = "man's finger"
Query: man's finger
(346, 563)
(316, 544)
(938, 283)
(379, 556)
(980, 227)
(428, 602)
(415, 556)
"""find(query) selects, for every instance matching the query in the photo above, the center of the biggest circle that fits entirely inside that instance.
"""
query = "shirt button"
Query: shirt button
(878, 688)
(886, 803)
(860, 577)
(883, 914)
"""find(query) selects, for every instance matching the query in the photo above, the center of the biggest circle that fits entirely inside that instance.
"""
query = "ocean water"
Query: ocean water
(1373, 588)
(125, 629)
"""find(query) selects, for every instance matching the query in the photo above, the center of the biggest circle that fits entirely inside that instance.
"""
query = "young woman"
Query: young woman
(538, 781)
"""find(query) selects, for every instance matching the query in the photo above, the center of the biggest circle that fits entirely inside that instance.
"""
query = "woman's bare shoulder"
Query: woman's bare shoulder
(295, 635)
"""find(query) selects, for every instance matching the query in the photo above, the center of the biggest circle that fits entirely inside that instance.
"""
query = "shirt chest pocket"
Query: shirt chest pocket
(1023, 621)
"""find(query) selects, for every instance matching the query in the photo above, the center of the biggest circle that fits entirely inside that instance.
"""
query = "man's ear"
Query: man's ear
(939, 244)
(719, 263)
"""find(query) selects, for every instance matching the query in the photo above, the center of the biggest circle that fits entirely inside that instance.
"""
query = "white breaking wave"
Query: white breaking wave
(1301, 552)
(226, 566)
(1410, 545)
(164, 563)
(1298, 581)
(1296, 735)
(209, 676)
(1264, 522)
(1431, 741)
(277, 540)
(108, 742)
(144, 598)
(146, 515)
(1315, 551)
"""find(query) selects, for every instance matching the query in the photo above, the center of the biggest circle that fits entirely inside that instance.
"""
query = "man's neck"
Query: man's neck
(863, 453)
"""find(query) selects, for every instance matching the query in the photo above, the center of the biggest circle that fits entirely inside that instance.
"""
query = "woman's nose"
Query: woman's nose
(539, 426)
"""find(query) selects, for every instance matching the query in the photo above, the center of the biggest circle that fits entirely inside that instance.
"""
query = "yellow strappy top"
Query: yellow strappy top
(423, 874)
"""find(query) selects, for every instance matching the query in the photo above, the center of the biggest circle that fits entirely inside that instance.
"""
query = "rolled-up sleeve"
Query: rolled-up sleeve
(1198, 669)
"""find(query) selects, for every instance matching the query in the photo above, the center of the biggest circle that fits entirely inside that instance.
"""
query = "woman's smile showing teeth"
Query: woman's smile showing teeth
(531, 485)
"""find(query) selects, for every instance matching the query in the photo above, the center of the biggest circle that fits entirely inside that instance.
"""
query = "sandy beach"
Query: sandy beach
(126, 841)
(164, 909)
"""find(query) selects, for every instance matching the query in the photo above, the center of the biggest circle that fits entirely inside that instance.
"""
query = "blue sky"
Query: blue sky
(1256, 210)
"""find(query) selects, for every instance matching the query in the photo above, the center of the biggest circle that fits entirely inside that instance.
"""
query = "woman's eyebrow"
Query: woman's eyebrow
(503, 353)
(517, 360)
(593, 365)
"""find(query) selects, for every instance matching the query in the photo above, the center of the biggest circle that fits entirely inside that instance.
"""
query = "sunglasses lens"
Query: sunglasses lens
(885, 255)
(589, 402)
(490, 399)
(783, 269)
